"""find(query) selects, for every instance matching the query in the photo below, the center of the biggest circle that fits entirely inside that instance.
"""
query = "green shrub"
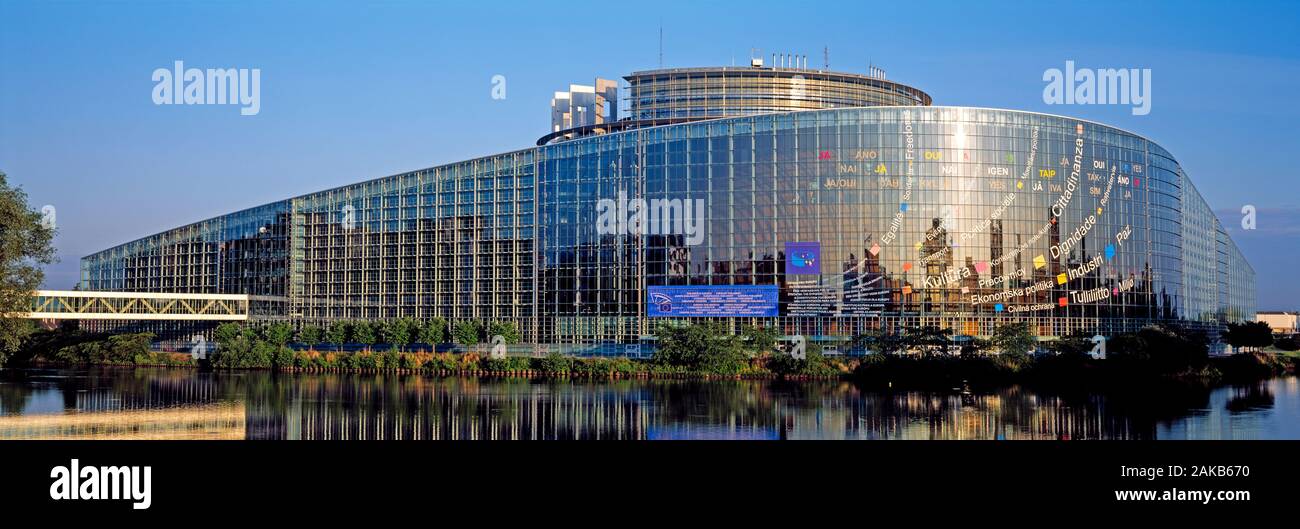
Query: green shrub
(1251, 366)
(302, 360)
(349, 361)
(406, 362)
(1014, 338)
(496, 364)
(589, 367)
(508, 363)
(442, 362)
(814, 363)
(708, 347)
(121, 349)
(665, 369)
(1010, 362)
(365, 360)
(1158, 350)
(283, 356)
(725, 361)
(624, 366)
(261, 355)
(554, 364)
(392, 359)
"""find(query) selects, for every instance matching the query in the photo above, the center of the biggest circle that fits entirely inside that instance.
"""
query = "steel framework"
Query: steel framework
(79, 305)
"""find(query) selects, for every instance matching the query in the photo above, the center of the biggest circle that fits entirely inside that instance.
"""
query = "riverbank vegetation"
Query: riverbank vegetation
(68, 346)
(922, 357)
(705, 350)
(1152, 353)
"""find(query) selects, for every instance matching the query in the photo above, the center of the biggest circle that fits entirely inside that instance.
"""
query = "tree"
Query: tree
(813, 363)
(310, 335)
(1252, 334)
(276, 337)
(337, 334)
(927, 339)
(880, 341)
(363, 332)
(24, 248)
(278, 334)
(226, 333)
(399, 332)
(1158, 349)
(760, 339)
(433, 332)
(467, 332)
(506, 330)
(974, 345)
(234, 345)
(1014, 338)
(1075, 344)
(702, 346)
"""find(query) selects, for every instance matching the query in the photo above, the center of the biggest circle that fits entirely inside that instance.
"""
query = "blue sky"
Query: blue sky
(353, 91)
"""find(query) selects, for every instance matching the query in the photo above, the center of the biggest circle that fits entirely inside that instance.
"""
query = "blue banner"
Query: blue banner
(725, 301)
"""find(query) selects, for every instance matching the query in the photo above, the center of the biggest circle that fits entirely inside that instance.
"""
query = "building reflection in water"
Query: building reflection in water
(419, 407)
(116, 404)
(259, 405)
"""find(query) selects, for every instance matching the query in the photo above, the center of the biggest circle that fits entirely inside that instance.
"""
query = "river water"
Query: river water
(125, 403)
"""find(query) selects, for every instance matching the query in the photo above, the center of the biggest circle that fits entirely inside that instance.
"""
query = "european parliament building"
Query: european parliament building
(825, 204)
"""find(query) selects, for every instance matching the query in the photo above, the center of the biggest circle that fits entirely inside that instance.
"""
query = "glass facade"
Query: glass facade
(957, 217)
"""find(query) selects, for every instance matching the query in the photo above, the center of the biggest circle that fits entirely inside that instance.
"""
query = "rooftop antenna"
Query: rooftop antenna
(826, 57)
(661, 44)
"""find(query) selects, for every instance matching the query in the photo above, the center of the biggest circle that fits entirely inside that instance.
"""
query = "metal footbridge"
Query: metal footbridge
(90, 305)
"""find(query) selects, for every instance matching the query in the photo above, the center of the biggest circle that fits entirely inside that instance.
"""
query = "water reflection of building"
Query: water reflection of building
(427, 408)
(180, 404)
(417, 407)
(1007, 414)
(122, 404)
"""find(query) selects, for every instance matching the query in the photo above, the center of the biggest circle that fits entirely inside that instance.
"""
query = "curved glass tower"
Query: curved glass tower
(679, 93)
(825, 223)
